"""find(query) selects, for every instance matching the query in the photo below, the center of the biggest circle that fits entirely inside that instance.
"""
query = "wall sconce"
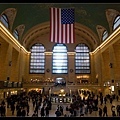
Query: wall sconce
(111, 65)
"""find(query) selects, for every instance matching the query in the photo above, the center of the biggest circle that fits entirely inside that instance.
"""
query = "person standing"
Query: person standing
(36, 109)
(101, 100)
(105, 99)
(23, 112)
(42, 112)
(34, 114)
(0, 109)
(117, 97)
(111, 99)
(105, 111)
(3, 110)
(67, 111)
(19, 112)
(113, 111)
(117, 108)
(47, 111)
(58, 113)
(100, 112)
(61, 110)
(13, 109)
(28, 109)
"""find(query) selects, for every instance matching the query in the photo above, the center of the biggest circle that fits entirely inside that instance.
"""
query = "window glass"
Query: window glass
(116, 22)
(105, 35)
(82, 59)
(60, 59)
(4, 20)
(15, 33)
(37, 59)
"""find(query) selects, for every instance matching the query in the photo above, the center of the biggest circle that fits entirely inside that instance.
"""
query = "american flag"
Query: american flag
(62, 25)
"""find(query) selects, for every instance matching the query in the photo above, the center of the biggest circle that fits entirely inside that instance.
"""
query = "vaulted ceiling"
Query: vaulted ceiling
(33, 14)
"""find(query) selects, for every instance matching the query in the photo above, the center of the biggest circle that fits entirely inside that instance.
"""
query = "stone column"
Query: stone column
(9, 60)
(48, 65)
(71, 68)
(111, 66)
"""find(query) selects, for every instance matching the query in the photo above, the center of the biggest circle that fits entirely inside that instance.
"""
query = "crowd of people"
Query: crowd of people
(19, 105)
(82, 106)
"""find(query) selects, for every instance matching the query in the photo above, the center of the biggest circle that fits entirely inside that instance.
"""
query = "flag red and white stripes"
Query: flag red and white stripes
(62, 25)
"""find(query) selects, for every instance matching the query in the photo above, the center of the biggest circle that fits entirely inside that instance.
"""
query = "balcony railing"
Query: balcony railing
(53, 84)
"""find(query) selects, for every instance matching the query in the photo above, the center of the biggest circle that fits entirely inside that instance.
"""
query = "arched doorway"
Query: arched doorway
(60, 81)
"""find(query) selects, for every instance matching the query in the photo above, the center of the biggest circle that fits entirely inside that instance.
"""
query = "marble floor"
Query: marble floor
(54, 107)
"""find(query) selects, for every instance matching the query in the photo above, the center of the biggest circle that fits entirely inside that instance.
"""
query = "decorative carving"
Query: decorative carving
(11, 14)
(20, 30)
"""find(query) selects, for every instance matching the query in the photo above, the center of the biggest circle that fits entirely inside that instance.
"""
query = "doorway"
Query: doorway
(59, 81)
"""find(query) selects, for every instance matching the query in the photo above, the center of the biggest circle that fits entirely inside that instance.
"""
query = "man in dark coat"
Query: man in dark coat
(105, 111)
(100, 112)
(42, 112)
(23, 113)
(58, 113)
(47, 111)
(19, 112)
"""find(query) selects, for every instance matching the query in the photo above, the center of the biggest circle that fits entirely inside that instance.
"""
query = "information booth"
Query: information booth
(61, 99)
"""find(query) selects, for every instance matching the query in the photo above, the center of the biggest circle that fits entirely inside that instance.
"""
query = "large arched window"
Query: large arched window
(4, 20)
(37, 59)
(15, 33)
(82, 59)
(105, 35)
(60, 59)
(116, 22)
